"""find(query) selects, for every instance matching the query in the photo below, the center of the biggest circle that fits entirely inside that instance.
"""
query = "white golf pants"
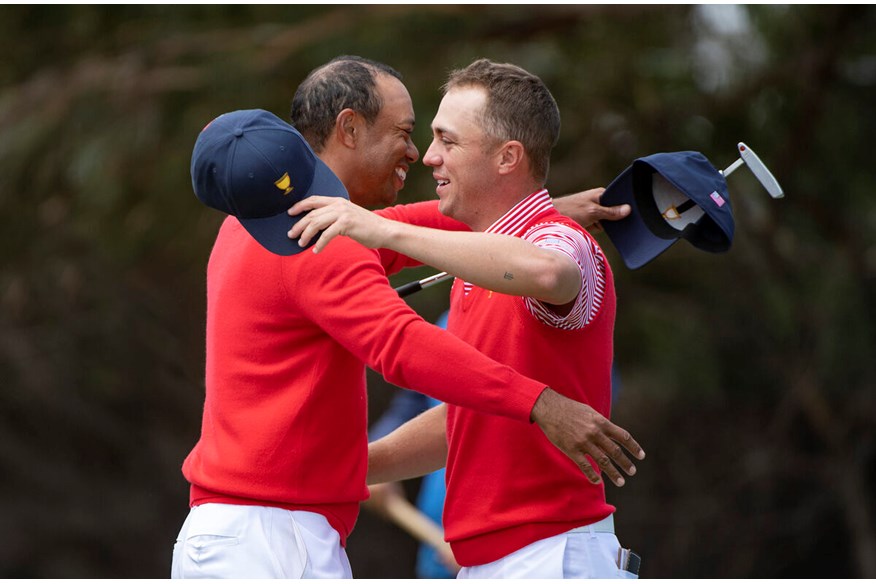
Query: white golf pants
(585, 552)
(242, 541)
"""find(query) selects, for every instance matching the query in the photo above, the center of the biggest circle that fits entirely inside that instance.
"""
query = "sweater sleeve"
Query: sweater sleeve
(345, 292)
(424, 214)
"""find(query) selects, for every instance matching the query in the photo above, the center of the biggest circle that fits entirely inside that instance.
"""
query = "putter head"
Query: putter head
(761, 172)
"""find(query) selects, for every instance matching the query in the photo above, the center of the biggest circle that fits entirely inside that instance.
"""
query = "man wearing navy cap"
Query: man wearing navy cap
(279, 470)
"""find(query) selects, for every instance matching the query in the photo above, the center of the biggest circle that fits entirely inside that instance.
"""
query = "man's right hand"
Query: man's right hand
(580, 431)
(329, 217)
(584, 207)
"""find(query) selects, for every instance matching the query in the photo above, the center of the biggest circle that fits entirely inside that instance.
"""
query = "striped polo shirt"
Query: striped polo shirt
(564, 239)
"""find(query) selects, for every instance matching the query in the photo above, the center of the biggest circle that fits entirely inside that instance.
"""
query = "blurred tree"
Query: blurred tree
(748, 377)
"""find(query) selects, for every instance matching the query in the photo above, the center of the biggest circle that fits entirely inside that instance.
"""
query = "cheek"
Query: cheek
(467, 172)
(385, 156)
(374, 164)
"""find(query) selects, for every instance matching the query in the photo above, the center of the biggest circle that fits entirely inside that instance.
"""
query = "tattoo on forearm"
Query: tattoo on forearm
(509, 276)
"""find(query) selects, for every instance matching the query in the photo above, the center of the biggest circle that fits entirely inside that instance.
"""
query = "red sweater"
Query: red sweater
(507, 485)
(288, 340)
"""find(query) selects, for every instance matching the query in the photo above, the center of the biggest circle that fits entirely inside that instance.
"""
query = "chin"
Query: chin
(391, 195)
(444, 205)
(374, 200)
(385, 201)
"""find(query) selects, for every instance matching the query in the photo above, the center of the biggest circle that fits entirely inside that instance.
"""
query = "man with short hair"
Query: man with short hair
(279, 470)
(515, 506)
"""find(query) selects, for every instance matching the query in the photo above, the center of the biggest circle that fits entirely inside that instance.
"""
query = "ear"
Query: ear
(346, 124)
(511, 156)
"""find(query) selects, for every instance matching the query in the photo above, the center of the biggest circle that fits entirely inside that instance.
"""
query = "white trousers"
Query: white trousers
(585, 552)
(243, 541)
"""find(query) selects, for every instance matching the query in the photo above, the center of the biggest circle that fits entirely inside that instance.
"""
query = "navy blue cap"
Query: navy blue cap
(673, 195)
(253, 165)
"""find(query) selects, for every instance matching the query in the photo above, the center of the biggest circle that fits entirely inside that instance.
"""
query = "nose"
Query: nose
(412, 154)
(431, 157)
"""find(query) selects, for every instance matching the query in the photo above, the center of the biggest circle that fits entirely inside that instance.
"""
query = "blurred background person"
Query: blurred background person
(433, 562)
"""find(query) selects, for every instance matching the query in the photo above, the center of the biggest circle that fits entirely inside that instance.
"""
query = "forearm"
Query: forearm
(501, 263)
(415, 449)
(425, 214)
(498, 262)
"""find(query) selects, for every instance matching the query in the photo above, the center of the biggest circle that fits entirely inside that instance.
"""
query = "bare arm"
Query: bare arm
(414, 449)
(501, 263)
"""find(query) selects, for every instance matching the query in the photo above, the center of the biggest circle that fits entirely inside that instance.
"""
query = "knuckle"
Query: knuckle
(591, 432)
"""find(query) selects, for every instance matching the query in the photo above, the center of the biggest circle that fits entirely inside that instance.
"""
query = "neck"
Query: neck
(500, 202)
(330, 157)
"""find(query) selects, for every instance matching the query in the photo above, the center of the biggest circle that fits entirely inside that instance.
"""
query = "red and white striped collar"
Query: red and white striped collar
(522, 213)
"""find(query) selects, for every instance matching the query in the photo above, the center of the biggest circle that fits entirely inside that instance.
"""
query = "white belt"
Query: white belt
(603, 526)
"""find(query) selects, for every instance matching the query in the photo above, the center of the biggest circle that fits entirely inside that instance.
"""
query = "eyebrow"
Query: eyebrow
(405, 124)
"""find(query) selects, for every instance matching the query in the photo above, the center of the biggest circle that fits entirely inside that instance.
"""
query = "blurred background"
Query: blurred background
(749, 377)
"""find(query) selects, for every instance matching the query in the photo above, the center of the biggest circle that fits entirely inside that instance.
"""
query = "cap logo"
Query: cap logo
(719, 200)
(284, 183)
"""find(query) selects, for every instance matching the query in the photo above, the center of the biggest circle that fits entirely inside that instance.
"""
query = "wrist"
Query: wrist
(394, 235)
(541, 405)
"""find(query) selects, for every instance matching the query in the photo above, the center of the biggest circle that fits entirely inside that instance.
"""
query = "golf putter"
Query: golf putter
(758, 168)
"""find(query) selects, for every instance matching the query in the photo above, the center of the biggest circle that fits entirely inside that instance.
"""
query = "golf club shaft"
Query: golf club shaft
(733, 166)
(411, 287)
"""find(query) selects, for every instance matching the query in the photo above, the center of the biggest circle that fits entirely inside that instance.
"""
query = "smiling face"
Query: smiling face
(463, 158)
(387, 148)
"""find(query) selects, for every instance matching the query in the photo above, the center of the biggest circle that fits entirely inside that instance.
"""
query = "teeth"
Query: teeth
(401, 173)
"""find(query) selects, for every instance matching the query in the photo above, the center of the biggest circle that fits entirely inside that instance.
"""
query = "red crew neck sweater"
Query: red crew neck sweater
(288, 340)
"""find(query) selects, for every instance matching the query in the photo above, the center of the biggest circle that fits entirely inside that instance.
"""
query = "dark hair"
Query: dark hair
(519, 107)
(344, 82)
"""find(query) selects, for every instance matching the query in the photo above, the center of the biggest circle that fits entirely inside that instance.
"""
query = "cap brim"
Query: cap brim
(271, 232)
(635, 242)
